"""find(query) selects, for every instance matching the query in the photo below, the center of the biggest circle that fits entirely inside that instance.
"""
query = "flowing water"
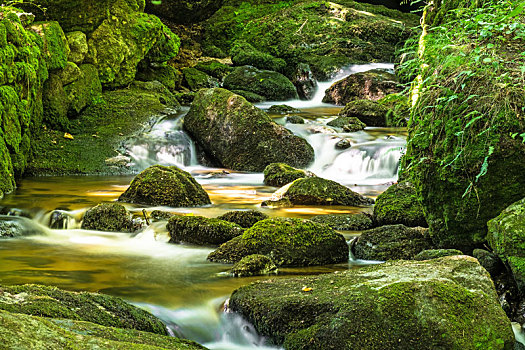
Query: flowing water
(175, 282)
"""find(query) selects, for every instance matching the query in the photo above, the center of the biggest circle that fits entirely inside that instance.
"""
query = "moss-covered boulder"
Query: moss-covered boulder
(304, 81)
(169, 76)
(243, 218)
(399, 204)
(271, 85)
(249, 96)
(371, 85)
(490, 261)
(288, 242)
(56, 103)
(282, 109)
(201, 230)
(55, 45)
(162, 185)
(240, 136)
(78, 46)
(84, 90)
(345, 222)
(244, 54)
(101, 309)
(29, 332)
(348, 124)
(397, 305)
(506, 236)
(391, 242)
(367, 111)
(253, 265)
(295, 119)
(280, 174)
(436, 253)
(196, 80)
(112, 217)
(214, 68)
(17, 226)
(319, 191)
(183, 11)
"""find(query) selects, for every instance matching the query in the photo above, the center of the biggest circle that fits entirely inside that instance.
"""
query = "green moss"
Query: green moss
(214, 68)
(399, 204)
(169, 77)
(436, 253)
(348, 124)
(253, 265)
(345, 222)
(280, 174)
(282, 109)
(244, 54)
(78, 46)
(83, 91)
(249, 96)
(201, 230)
(110, 217)
(243, 218)
(55, 45)
(196, 80)
(55, 103)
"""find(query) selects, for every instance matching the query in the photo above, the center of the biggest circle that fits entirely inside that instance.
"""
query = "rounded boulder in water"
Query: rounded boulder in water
(16, 226)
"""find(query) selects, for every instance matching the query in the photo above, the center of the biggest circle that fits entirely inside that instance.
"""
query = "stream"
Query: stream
(175, 282)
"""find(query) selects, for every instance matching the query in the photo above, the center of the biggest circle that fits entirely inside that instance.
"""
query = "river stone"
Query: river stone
(371, 85)
(249, 96)
(399, 204)
(111, 217)
(196, 80)
(253, 265)
(282, 109)
(348, 124)
(391, 242)
(69, 73)
(240, 136)
(288, 242)
(436, 253)
(243, 218)
(214, 68)
(295, 119)
(280, 174)
(201, 230)
(29, 332)
(345, 222)
(271, 85)
(60, 219)
(506, 236)
(368, 112)
(16, 226)
(101, 309)
(422, 305)
(162, 185)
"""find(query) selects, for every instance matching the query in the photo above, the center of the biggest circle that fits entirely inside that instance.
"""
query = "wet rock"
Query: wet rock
(368, 112)
(201, 230)
(397, 305)
(295, 119)
(169, 76)
(343, 144)
(17, 226)
(59, 219)
(244, 54)
(214, 68)
(84, 90)
(112, 217)
(69, 73)
(436, 253)
(490, 261)
(345, 222)
(254, 265)
(399, 204)
(391, 242)
(371, 85)
(249, 96)
(159, 215)
(78, 46)
(243, 218)
(119, 161)
(185, 98)
(195, 79)
(186, 11)
(282, 109)
(280, 174)
(271, 85)
(304, 81)
(239, 136)
(288, 242)
(348, 124)
(161, 185)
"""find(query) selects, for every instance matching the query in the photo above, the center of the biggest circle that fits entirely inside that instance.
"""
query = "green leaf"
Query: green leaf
(518, 10)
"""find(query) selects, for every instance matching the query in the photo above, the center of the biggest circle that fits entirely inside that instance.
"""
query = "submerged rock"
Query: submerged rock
(280, 174)
(243, 218)
(161, 185)
(345, 222)
(254, 265)
(240, 136)
(112, 217)
(423, 305)
(399, 204)
(371, 85)
(436, 253)
(282, 109)
(369, 112)
(288, 242)
(17, 226)
(391, 242)
(201, 230)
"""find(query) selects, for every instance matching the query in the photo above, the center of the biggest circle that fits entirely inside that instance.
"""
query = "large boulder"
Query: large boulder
(391, 242)
(183, 11)
(367, 111)
(112, 217)
(161, 185)
(397, 305)
(269, 84)
(506, 236)
(196, 80)
(438, 253)
(345, 222)
(399, 204)
(348, 124)
(240, 136)
(201, 230)
(288, 242)
(371, 85)
(280, 174)
(243, 218)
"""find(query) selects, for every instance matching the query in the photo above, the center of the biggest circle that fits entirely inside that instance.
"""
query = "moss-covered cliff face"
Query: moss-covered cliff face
(466, 145)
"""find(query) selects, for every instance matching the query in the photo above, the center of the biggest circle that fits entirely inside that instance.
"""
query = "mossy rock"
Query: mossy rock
(282, 109)
(305, 82)
(243, 218)
(368, 112)
(253, 265)
(244, 54)
(370, 85)
(506, 236)
(397, 109)
(436, 253)
(319, 191)
(399, 204)
(288, 242)
(295, 119)
(271, 85)
(112, 217)
(348, 124)
(490, 261)
(84, 91)
(169, 76)
(397, 305)
(280, 174)
(162, 185)
(391, 242)
(78, 46)
(185, 98)
(185, 11)
(55, 45)
(214, 68)
(196, 80)
(69, 73)
(201, 230)
(345, 222)
(16, 226)
(101, 309)
(56, 103)
(159, 215)
(249, 96)
(239, 136)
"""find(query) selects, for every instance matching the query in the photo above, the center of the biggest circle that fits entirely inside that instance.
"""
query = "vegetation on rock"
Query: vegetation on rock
(112, 217)
(201, 230)
(254, 265)
(243, 218)
(345, 222)
(399, 204)
(280, 174)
